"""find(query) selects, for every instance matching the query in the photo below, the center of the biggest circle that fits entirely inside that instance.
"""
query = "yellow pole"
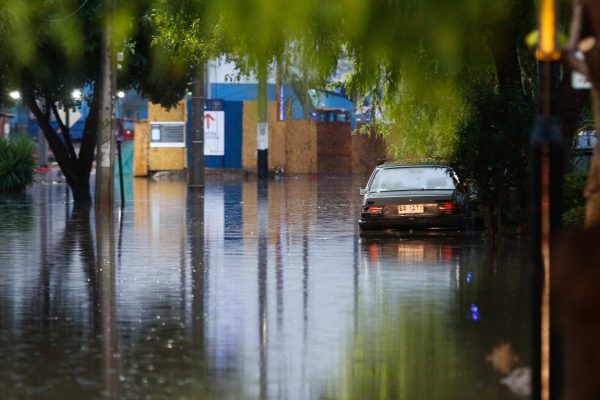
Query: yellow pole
(547, 52)
(547, 49)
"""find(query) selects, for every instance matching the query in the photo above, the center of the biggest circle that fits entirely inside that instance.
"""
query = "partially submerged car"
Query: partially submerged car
(411, 198)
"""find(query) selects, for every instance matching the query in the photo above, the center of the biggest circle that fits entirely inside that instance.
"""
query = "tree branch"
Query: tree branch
(590, 49)
(61, 124)
(576, 25)
(57, 147)
(65, 130)
(568, 53)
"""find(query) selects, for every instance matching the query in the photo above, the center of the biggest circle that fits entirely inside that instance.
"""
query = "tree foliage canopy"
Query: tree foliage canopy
(415, 60)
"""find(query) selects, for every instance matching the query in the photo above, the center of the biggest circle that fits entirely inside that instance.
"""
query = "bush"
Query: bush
(573, 200)
(574, 217)
(16, 163)
(573, 190)
(491, 154)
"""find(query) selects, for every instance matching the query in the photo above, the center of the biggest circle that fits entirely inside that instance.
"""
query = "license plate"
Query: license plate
(410, 209)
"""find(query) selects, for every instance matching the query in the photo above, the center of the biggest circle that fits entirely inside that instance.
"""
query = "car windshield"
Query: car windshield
(412, 178)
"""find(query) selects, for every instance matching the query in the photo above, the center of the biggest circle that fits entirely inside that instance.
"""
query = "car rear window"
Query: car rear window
(412, 178)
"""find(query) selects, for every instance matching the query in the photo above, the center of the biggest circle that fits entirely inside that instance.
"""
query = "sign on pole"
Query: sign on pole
(214, 133)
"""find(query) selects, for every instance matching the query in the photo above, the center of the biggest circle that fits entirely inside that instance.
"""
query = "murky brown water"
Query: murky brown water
(255, 293)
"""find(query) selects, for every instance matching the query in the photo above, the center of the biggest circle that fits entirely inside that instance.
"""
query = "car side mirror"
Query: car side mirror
(362, 191)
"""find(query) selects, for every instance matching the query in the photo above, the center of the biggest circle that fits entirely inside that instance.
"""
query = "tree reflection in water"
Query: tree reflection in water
(259, 294)
(418, 336)
(65, 330)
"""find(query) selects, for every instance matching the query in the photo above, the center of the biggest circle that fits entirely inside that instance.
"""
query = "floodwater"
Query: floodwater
(250, 292)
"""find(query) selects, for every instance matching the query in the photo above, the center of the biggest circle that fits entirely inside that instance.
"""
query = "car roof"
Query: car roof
(405, 165)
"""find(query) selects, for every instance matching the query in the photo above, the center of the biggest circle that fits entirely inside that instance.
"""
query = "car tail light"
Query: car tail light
(448, 208)
(374, 210)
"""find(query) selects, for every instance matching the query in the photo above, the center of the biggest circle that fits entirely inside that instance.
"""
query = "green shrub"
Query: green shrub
(574, 216)
(491, 154)
(573, 190)
(16, 163)
(573, 200)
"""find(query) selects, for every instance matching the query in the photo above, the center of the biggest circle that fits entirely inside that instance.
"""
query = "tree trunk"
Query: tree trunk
(591, 51)
(81, 190)
(592, 188)
(76, 171)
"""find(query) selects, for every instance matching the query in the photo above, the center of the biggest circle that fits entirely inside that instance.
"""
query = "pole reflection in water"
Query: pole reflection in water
(196, 204)
(279, 276)
(185, 307)
(105, 248)
(262, 224)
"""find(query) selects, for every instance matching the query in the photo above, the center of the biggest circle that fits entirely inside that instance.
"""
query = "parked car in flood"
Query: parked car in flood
(410, 198)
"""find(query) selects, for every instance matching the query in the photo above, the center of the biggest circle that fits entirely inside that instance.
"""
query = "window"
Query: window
(412, 178)
(167, 134)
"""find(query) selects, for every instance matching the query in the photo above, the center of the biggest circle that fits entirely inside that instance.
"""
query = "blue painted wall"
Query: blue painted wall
(249, 92)
(234, 113)
(233, 137)
(239, 91)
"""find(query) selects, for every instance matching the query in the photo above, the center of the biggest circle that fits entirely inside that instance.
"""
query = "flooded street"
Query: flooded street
(253, 292)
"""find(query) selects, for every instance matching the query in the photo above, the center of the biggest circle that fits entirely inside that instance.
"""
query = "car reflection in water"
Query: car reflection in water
(439, 250)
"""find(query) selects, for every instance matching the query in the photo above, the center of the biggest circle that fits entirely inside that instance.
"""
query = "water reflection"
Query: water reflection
(246, 290)
(105, 306)
(434, 312)
(262, 221)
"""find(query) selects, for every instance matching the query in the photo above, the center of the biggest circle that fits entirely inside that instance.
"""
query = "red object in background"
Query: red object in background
(125, 127)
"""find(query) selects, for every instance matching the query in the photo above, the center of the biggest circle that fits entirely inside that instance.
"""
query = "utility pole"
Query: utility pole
(196, 178)
(547, 172)
(262, 128)
(279, 92)
(105, 145)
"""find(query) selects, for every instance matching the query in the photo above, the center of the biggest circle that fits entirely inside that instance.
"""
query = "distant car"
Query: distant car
(583, 149)
(126, 128)
(411, 197)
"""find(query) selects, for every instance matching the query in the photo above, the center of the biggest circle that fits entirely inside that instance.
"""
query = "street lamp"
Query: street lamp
(15, 95)
(77, 94)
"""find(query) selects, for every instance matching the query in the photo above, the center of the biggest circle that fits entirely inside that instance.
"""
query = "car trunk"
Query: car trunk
(403, 203)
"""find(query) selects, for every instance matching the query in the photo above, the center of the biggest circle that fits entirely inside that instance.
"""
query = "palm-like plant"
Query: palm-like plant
(16, 163)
